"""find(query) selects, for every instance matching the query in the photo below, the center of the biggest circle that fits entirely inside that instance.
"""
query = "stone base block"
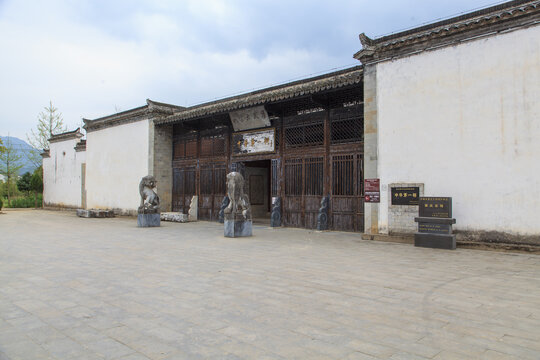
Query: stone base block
(103, 213)
(436, 241)
(238, 228)
(84, 213)
(174, 217)
(93, 213)
(148, 220)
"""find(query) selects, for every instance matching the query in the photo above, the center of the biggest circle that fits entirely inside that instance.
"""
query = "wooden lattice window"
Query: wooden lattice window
(191, 148)
(307, 133)
(346, 125)
(346, 130)
(275, 177)
(293, 177)
(212, 146)
(219, 145)
(179, 150)
(343, 175)
(314, 176)
(185, 148)
(207, 147)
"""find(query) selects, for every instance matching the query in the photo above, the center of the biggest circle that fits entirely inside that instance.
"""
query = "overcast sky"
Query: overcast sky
(93, 58)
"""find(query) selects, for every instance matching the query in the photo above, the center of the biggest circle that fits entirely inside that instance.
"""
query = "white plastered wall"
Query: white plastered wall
(465, 121)
(62, 175)
(117, 159)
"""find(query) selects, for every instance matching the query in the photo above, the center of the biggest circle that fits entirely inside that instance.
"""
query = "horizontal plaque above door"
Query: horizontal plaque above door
(254, 142)
(252, 118)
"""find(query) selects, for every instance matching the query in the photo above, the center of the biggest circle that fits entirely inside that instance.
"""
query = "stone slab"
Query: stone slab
(148, 220)
(95, 213)
(174, 217)
(84, 213)
(193, 212)
(436, 241)
(103, 213)
(238, 228)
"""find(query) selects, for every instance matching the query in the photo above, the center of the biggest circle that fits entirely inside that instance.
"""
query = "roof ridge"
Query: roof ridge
(457, 19)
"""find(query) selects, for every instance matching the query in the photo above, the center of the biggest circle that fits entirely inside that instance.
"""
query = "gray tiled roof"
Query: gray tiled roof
(309, 86)
(475, 23)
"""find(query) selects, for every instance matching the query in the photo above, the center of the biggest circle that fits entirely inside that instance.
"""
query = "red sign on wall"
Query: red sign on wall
(372, 190)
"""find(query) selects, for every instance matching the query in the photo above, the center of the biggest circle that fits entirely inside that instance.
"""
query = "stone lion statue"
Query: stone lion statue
(238, 200)
(149, 198)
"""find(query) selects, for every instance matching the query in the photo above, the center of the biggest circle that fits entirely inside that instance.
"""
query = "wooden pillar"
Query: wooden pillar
(281, 192)
(327, 135)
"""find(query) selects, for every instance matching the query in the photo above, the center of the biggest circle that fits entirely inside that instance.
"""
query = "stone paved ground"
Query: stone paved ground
(73, 288)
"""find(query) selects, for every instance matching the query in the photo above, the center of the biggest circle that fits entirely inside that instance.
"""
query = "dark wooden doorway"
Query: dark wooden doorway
(184, 187)
(258, 175)
(304, 179)
(212, 178)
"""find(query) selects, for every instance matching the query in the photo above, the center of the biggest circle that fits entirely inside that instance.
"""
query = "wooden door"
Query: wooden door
(212, 179)
(183, 188)
(292, 201)
(304, 179)
(346, 201)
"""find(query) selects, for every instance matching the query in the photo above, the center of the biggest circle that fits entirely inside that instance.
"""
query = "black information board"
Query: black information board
(439, 207)
(405, 195)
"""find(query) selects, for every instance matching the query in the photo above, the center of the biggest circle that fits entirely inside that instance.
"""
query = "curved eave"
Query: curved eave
(270, 95)
(511, 15)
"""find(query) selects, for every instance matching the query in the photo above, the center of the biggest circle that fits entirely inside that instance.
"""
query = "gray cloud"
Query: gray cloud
(94, 57)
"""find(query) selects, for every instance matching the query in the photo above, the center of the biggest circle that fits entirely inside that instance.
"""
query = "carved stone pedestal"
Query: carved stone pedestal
(237, 227)
(148, 220)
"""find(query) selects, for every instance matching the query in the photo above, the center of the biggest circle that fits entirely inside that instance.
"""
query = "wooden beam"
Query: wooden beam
(320, 100)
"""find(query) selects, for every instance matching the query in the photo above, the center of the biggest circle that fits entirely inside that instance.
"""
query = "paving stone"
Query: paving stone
(100, 288)
(64, 348)
(109, 348)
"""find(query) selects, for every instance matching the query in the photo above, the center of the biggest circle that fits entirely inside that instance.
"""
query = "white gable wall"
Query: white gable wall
(117, 160)
(465, 121)
(62, 175)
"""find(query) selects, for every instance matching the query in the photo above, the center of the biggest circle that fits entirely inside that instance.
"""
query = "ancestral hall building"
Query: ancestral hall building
(446, 109)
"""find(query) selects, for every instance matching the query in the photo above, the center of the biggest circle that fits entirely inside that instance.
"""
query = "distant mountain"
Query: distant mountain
(23, 148)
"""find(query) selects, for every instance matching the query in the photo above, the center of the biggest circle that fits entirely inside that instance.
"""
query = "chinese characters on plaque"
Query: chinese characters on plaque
(405, 195)
(253, 142)
(439, 207)
(252, 118)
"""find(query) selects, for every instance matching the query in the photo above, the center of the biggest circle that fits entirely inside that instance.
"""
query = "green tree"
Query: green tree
(50, 122)
(36, 183)
(23, 184)
(9, 166)
(2, 148)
